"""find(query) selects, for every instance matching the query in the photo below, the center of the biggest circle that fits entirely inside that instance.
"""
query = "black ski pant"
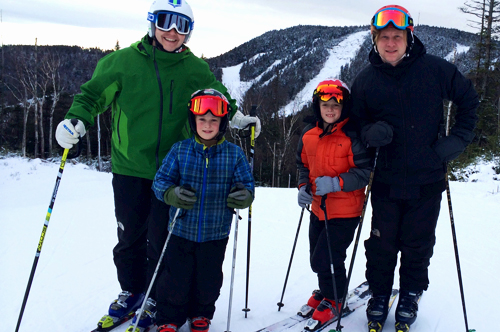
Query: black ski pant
(190, 283)
(406, 226)
(142, 229)
(340, 233)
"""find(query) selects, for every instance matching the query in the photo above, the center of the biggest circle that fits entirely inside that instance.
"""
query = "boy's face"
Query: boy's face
(207, 126)
(170, 40)
(330, 111)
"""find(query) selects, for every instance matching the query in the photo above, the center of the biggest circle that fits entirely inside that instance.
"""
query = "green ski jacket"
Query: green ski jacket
(148, 91)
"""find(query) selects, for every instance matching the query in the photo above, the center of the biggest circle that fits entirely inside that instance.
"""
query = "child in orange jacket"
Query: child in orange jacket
(333, 166)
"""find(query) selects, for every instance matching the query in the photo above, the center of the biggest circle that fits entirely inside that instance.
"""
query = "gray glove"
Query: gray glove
(326, 184)
(304, 197)
(377, 134)
(180, 197)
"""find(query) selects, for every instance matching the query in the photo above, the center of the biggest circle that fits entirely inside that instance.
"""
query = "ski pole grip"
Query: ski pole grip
(76, 153)
(323, 203)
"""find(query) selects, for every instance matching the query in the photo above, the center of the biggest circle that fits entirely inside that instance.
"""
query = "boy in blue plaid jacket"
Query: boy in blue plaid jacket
(207, 177)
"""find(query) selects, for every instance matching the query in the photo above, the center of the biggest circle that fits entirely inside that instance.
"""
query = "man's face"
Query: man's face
(391, 45)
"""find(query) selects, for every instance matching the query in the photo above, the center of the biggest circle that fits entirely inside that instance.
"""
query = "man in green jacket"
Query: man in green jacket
(148, 86)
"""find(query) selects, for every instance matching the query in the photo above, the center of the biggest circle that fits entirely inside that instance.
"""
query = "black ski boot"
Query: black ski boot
(376, 312)
(406, 311)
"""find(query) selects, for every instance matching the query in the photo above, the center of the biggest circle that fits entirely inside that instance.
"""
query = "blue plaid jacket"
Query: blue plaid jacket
(212, 172)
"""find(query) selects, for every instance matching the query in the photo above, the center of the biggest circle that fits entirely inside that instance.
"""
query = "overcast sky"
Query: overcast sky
(219, 25)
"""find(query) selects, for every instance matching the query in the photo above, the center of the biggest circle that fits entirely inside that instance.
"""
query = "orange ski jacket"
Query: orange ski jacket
(332, 154)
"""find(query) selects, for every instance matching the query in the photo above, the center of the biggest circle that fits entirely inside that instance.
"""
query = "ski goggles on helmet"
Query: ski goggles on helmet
(167, 21)
(329, 91)
(202, 104)
(397, 17)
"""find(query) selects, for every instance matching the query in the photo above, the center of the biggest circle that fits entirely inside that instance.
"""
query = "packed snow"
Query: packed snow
(340, 55)
(75, 279)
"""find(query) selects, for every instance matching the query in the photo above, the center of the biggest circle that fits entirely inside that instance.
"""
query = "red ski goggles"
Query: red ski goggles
(167, 21)
(397, 17)
(202, 104)
(329, 91)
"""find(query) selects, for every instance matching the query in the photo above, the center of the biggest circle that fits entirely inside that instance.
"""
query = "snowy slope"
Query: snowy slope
(340, 55)
(76, 279)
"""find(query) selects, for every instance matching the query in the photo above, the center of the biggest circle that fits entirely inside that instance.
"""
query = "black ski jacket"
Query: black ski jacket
(410, 97)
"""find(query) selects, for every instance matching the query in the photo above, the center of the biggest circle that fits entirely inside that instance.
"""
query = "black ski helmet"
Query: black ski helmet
(209, 100)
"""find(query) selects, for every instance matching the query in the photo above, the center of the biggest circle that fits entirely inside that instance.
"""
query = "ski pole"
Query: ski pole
(237, 216)
(45, 226)
(454, 235)
(334, 283)
(253, 112)
(280, 303)
(455, 246)
(156, 271)
(355, 249)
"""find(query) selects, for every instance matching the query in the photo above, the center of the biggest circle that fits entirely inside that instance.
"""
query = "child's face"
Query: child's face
(207, 126)
(170, 40)
(330, 111)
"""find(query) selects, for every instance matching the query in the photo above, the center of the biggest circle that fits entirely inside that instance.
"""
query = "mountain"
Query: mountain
(283, 67)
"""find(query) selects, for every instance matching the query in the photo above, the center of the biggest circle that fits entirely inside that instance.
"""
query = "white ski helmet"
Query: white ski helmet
(179, 7)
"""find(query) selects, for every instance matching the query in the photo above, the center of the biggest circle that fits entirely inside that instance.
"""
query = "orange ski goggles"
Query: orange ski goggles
(396, 16)
(202, 104)
(329, 91)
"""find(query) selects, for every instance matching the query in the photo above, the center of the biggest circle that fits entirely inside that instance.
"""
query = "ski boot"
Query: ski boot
(121, 310)
(326, 312)
(199, 324)
(147, 318)
(406, 311)
(167, 328)
(376, 312)
(307, 309)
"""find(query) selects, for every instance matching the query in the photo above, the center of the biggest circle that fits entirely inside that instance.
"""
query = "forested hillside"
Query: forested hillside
(272, 70)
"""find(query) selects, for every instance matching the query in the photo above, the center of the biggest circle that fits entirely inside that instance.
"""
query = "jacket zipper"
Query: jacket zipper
(157, 159)
(204, 187)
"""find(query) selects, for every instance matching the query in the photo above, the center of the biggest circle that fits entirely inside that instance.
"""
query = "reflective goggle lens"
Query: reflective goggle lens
(327, 92)
(166, 21)
(203, 104)
(399, 18)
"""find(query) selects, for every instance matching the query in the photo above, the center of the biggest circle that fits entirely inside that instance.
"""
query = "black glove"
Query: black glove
(377, 134)
(449, 147)
(239, 197)
(181, 197)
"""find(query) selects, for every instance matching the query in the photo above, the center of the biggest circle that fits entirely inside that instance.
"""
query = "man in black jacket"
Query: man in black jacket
(398, 100)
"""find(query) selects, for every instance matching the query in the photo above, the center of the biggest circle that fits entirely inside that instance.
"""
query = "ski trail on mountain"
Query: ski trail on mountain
(340, 55)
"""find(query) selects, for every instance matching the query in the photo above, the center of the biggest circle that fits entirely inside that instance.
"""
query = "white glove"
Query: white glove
(241, 121)
(67, 135)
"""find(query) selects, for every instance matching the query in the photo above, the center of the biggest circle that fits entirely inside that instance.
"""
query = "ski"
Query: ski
(375, 326)
(108, 323)
(138, 329)
(356, 298)
(311, 324)
(402, 327)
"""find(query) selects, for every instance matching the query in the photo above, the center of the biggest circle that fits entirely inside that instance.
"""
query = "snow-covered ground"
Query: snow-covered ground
(76, 279)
